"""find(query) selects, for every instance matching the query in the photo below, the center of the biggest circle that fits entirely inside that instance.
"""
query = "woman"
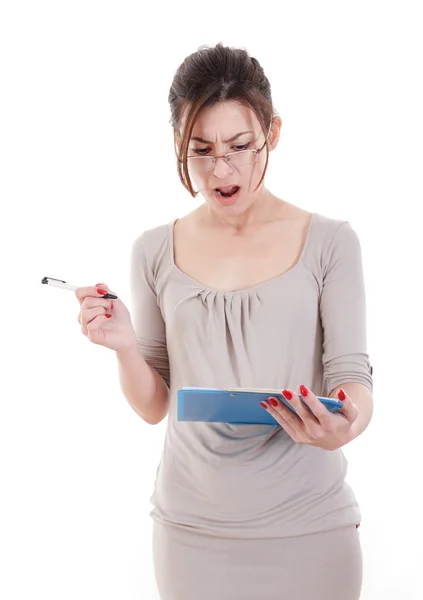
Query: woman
(247, 290)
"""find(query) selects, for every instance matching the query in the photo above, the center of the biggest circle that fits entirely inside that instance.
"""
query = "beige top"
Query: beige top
(306, 326)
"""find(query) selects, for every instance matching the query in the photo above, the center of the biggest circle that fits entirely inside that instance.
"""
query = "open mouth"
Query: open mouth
(228, 192)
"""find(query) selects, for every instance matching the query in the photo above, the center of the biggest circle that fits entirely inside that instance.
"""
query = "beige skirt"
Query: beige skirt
(321, 566)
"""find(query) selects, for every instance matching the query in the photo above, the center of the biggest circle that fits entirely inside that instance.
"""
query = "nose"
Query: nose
(221, 167)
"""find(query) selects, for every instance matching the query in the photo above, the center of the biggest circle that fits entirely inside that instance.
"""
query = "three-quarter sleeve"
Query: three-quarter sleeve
(343, 312)
(149, 326)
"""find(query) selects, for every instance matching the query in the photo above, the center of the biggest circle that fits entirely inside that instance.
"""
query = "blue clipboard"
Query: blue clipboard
(237, 406)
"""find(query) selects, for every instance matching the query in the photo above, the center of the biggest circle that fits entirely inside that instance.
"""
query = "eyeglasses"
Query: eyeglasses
(242, 158)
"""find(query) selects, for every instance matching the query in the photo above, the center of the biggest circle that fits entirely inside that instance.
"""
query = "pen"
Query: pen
(68, 286)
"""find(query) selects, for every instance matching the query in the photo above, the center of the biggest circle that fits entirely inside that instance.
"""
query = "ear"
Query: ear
(275, 132)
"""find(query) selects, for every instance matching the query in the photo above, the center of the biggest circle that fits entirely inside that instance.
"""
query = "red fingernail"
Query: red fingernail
(263, 405)
(273, 401)
(108, 316)
(101, 292)
(303, 390)
(341, 395)
(287, 394)
(358, 525)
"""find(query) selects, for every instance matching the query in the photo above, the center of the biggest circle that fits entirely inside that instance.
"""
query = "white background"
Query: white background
(87, 164)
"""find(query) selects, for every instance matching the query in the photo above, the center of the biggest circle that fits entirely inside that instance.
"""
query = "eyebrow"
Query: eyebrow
(198, 139)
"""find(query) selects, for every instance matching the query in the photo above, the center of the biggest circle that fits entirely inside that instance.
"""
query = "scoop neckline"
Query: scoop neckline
(251, 289)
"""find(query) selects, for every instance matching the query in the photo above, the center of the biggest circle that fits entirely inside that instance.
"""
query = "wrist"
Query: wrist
(128, 352)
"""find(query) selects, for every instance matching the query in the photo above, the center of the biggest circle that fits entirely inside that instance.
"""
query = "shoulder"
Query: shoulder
(327, 227)
(321, 230)
(330, 232)
(151, 253)
(331, 241)
(153, 245)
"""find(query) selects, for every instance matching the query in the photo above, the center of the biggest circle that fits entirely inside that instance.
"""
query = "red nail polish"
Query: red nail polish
(303, 390)
(101, 292)
(263, 405)
(287, 394)
(341, 395)
(108, 316)
(273, 401)
(358, 525)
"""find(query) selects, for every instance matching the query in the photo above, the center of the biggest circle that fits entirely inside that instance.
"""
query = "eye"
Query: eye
(201, 150)
(243, 147)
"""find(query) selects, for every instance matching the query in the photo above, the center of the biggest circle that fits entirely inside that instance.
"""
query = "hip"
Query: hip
(322, 566)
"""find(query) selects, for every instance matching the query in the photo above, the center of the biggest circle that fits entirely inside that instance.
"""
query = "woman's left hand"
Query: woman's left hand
(320, 428)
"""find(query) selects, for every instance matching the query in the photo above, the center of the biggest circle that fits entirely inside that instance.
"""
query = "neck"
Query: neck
(262, 209)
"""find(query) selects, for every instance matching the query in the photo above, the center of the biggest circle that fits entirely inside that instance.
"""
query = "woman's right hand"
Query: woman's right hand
(115, 331)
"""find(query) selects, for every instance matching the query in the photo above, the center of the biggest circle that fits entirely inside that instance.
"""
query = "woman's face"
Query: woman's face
(223, 128)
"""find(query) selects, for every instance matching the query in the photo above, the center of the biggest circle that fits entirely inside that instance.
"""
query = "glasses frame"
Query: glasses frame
(227, 157)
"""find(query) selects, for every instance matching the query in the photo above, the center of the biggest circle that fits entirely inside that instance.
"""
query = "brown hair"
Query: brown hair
(213, 75)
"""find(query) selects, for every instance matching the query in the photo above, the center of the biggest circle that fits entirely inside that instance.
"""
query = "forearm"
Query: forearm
(142, 386)
(362, 397)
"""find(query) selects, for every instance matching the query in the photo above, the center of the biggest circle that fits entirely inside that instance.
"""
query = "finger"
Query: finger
(105, 287)
(286, 414)
(302, 410)
(349, 409)
(288, 424)
(85, 312)
(90, 291)
(279, 406)
(321, 413)
(95, 329)
(91, 302)
(88, 316)
(272, 411)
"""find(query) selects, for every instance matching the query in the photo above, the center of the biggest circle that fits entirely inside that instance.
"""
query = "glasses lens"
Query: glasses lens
(199, 164)
(242, 158)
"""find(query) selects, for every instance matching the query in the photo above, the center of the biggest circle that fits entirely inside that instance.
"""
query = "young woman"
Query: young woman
(247, 290)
